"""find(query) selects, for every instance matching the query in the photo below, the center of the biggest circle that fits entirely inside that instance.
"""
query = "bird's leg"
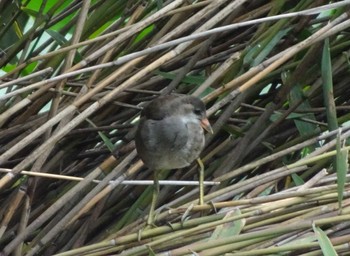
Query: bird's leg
(150, 220)
(201, 180)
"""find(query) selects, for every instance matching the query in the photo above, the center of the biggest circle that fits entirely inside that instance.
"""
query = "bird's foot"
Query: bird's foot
(147, 227)
(170, 225)
(201, 180)
(185, 216)
(150, 226)
(151, 220)
(211, 203)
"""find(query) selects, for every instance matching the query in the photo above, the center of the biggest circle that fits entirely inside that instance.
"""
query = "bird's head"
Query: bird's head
(194, 108)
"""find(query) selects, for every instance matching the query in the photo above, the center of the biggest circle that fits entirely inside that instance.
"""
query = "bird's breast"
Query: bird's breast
(170, 143)
(195, 142)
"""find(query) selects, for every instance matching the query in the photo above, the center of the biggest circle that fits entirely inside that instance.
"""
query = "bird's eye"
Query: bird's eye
(197, 111)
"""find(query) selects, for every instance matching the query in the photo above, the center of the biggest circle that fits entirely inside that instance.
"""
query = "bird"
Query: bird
(170, 135)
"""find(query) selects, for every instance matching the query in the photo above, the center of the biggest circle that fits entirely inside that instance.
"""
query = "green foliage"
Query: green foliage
(341, 169)
(276, 91)
(325, 243)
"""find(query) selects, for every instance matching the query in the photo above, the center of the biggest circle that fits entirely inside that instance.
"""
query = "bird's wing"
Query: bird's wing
(168, 134)
(161, 107)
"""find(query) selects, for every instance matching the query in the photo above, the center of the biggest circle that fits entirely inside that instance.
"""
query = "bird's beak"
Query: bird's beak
(206, 125)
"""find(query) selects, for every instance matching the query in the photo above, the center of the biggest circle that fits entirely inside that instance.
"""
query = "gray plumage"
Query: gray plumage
(170, 135)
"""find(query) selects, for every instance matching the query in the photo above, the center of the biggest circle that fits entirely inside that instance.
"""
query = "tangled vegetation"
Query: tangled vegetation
(274, 76)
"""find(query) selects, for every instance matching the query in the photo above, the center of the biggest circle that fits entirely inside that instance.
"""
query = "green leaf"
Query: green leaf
(304, 128)
(9, 67)
(143, 33)
(341, 169)
(30, 12)
(30, 68)
(325, 244)
(159, 4)
(205, 92)
(18, 29)
(297, 95)
(229, 229)
(34, 6)
(104, 137)
(61, 40)
(327, 79)
(263, 47)
(269, 47)
(297, 179)
(107, 141)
